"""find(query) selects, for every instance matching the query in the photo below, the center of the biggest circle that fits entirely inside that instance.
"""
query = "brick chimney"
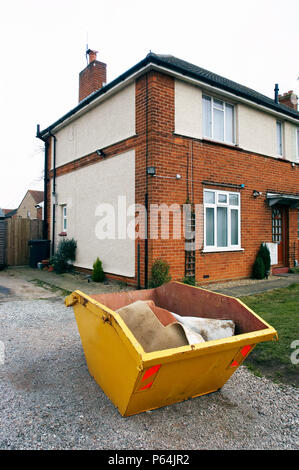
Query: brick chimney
(289, 99)
(93, 77)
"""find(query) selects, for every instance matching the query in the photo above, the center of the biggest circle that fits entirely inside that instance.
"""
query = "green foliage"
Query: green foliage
(278, 307)
(159, 273)
(259, 268)
(294, 270)
(190, 280)
(262, 264)
(59, 263)
(264, 253)
(66, 251)
(98, 274)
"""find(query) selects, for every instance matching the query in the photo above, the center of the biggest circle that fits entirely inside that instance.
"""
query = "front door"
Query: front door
(279, 233)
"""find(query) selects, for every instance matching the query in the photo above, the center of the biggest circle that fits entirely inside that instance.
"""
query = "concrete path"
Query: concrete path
(64, 283)
(251, 286)
(69, 282)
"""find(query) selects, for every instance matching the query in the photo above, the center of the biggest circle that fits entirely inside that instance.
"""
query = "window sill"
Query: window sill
(221, 142)
(62, 234)
(221, 250)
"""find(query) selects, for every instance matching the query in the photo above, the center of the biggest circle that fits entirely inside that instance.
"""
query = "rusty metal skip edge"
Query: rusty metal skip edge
(136, 381)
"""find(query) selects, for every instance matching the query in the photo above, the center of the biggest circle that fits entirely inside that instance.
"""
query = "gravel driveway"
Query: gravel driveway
(49, 401)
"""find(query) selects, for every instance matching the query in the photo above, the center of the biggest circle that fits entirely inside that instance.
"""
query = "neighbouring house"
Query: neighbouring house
(9, 213)
(167, 134)
(31, 206)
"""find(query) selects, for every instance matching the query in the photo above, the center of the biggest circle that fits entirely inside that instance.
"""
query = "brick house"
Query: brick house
(167, 132)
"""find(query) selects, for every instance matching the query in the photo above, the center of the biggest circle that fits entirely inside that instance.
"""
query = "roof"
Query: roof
(38, 196)
(173, 64)
(2, 213)
(6, 211)
(291, 200)
(10, 213)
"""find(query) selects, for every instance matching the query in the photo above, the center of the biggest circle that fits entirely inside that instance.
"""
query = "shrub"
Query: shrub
(264, 253)
(259, 268)
(66, 251)
(159, 273)
(190, 280)
(59, 263)
(98, 274)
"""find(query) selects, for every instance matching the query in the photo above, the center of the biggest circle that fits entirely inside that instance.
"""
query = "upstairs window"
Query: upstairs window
(218, 120)
(279, 138)
(297, 146)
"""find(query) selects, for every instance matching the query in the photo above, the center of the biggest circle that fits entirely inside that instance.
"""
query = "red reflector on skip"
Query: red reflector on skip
(245, 350)
(153, 370)
(146, 386)
(234, 364)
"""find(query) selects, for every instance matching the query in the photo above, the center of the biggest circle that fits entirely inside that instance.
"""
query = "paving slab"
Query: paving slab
(66, 282)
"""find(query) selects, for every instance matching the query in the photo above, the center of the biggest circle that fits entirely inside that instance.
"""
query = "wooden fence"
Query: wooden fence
(18, 233)
(2, 242)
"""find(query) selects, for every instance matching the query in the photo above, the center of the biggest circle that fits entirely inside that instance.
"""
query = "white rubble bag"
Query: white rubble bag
(208, 328)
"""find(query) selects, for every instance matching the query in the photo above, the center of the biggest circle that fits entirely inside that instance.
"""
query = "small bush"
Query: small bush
(190, 280)
(59, 263)
(66, 251)
(259, 268)
(159, 273)
(264, 253)
(98, 274)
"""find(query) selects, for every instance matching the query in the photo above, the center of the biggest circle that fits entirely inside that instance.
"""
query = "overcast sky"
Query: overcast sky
(253, 42)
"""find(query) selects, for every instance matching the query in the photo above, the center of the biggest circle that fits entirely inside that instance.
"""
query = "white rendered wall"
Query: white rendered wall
(255, 129)
(109, 122)
(188, 110)
(83, 191)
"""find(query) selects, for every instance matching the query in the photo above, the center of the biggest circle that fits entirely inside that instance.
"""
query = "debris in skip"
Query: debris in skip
(156, 328)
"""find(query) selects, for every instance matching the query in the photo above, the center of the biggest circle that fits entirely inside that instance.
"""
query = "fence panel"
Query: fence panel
(18, 233)
(2, 242)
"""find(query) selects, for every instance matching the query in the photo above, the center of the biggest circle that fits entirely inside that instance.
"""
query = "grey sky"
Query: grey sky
(43, 50)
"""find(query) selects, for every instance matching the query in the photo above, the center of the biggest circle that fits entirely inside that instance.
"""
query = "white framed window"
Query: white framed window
(279, 146)
(297, 145)
(222, 220)
(64, 218)
(218, 119)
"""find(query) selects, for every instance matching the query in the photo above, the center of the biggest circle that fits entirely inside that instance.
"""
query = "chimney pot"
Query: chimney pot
(92, 55)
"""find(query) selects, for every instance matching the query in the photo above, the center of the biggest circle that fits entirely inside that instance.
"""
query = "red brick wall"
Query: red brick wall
(171, 154)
